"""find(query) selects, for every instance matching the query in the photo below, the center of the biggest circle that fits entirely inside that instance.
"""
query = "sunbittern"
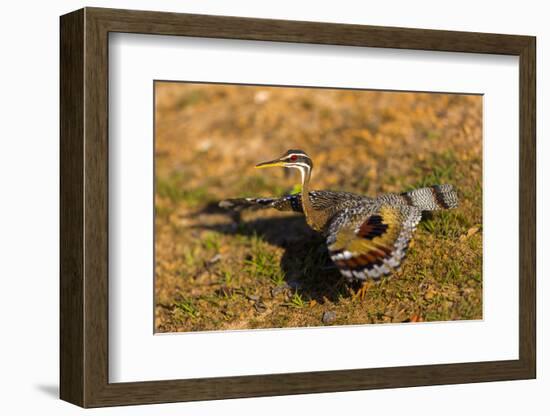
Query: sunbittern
(366, 237)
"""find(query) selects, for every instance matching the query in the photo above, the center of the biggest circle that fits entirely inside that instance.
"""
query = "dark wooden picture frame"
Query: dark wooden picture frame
(84, 207)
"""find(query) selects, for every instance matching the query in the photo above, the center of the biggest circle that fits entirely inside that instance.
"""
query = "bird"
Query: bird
(367, 237)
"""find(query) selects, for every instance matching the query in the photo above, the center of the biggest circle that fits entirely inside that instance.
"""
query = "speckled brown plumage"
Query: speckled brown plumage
(366, 237)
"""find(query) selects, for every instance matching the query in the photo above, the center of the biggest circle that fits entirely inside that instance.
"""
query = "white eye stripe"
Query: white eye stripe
(288, 157)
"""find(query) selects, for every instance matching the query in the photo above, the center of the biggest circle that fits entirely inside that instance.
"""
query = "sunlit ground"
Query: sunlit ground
(267, 269)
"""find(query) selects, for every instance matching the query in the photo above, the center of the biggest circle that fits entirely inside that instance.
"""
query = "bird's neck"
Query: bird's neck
(310, 213)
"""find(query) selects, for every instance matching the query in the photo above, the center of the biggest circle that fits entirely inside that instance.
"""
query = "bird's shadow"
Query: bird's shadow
(305, 263)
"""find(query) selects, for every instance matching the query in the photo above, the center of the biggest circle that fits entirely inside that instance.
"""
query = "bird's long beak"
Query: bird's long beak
(269, 164)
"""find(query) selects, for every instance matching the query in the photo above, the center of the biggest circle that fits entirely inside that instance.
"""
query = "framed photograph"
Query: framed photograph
(255, 207)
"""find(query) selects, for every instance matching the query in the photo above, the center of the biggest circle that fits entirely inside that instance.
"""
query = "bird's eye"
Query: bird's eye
(293, 158)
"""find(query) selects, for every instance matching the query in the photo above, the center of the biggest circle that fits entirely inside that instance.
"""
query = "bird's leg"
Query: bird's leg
(362, 292)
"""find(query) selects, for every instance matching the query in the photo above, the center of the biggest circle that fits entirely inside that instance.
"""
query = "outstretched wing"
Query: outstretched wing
(372, 244)
(322, 200)
(285, 203)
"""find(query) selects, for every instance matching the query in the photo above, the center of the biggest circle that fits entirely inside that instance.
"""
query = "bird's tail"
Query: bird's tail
(432, 198)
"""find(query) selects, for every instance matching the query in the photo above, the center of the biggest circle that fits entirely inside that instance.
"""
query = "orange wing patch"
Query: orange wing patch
(374, 245)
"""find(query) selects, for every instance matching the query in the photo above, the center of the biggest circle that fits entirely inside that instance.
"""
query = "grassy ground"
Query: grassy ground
(267, 269)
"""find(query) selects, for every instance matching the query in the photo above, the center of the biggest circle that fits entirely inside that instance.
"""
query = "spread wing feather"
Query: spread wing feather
(371, 244)
(322, 200)
(285, 203)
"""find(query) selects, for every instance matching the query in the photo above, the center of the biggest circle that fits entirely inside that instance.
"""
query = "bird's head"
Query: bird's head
(292, 158)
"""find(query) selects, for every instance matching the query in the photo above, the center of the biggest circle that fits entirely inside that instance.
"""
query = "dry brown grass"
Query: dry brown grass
(269, 269)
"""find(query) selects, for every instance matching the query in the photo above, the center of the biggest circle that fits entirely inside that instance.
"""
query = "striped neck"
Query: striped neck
(310, 213)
